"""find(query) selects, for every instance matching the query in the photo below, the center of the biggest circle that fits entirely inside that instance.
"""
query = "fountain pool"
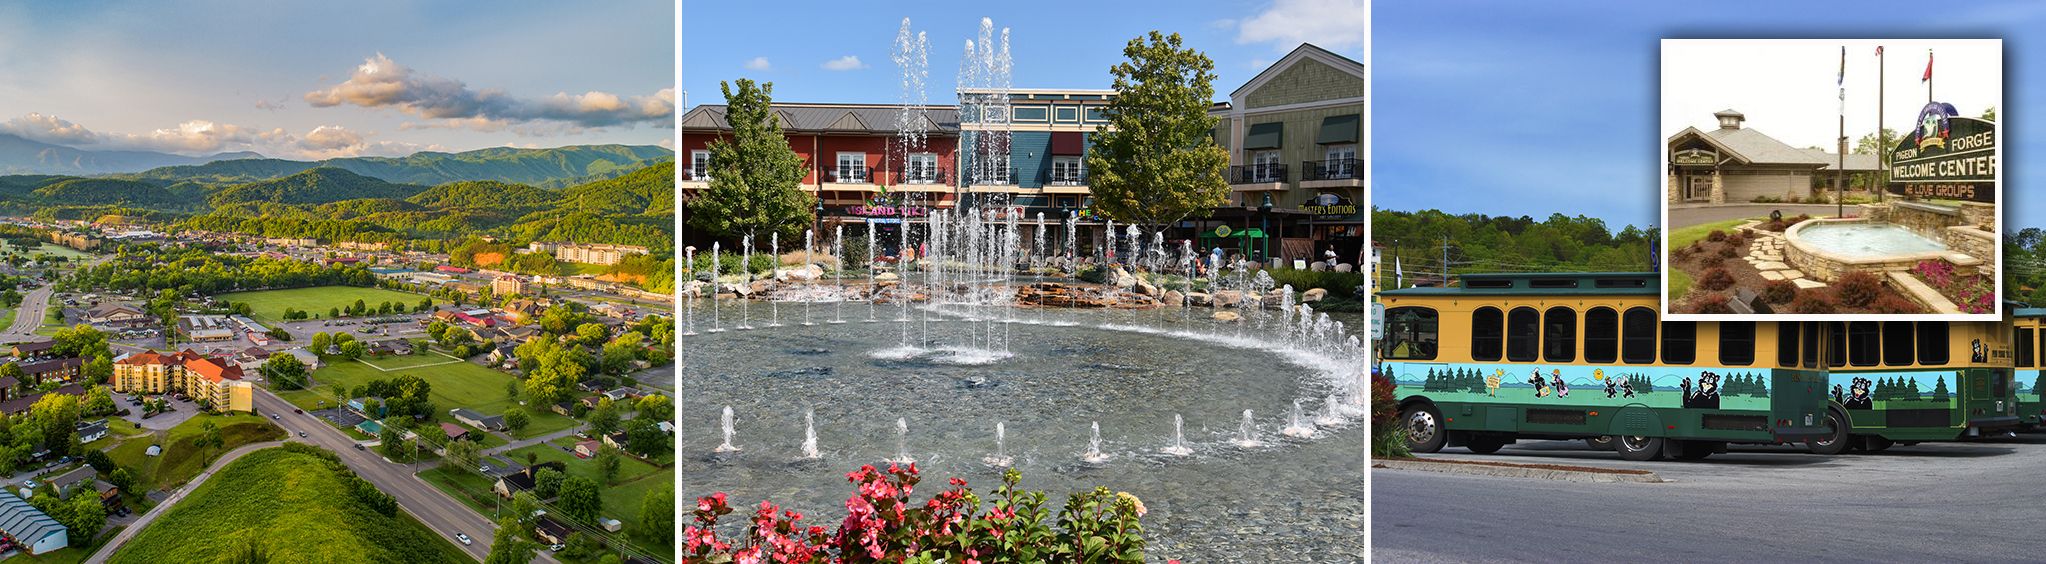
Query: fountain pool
(1070, 374)
(1868, 240)
(1826, 249)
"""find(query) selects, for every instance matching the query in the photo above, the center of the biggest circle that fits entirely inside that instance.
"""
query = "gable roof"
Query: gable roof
(1856, 162)
(1304, 51)
(24, 522)
(830, 118)
(1750, 146)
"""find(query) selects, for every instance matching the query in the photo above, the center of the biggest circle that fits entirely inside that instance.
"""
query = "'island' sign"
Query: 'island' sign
(1946, 156)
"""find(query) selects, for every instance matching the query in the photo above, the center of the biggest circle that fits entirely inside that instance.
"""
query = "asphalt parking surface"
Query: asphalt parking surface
(1947, 502)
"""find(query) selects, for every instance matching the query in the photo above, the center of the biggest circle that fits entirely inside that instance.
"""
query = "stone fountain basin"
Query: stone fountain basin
(1829, 256)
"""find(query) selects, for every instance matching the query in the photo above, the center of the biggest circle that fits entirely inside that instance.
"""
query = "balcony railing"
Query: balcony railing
(1065, 178)
(1333, 169)
(1257, 173)
(857, 175)
(695, 175)
(925, 176)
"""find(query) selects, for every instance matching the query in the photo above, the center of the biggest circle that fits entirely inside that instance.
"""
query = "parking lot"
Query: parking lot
(1929, 502)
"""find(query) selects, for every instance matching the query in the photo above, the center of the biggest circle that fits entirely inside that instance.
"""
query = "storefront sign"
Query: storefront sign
(1694, 157)
(1330, 206)
(1946, 156)
(887, 211)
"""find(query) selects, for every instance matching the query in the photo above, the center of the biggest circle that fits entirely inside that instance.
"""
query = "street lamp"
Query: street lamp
(820, 213)
(1265, 212)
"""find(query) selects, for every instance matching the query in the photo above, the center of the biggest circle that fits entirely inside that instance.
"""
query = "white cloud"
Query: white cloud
(49, 129)
(1335, 25)
(845, 63)
(382, 82)
(269, 105)
(759, 64)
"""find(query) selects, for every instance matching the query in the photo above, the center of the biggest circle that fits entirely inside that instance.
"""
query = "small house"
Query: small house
(478, 420)
(587, 449)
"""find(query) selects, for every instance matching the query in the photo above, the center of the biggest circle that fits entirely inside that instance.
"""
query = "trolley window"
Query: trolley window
(1487, 333)
(1786, 343)
(2024, 347)
(1411, 333)
(1736, 343)
(1836, 343)
(1601, 335)
(1523, 328)
(1897, 343)
(1679, 342)
(1810, 358)
(1932, 343)
(1864, 343)
(1559, 335)
(1637, 340)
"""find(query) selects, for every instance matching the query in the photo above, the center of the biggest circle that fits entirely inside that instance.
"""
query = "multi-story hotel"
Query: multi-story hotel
(213, 379)
(1294, 132)
(600, 253)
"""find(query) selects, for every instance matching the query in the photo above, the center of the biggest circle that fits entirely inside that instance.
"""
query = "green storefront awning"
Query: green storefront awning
(1234, 233)
(1264, 135)
(1338, 129)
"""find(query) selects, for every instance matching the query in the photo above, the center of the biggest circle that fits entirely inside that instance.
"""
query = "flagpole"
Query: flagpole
(1882, 135)
(1840, 173)
(1928, 76)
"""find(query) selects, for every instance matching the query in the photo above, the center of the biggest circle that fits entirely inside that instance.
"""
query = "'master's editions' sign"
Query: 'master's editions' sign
(1946, 156)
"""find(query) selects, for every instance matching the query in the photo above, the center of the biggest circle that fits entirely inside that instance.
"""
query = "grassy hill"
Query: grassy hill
(294, 504)
(105, 191)
(486, 195)
(504, 164)
(647, 191)
(315, 186)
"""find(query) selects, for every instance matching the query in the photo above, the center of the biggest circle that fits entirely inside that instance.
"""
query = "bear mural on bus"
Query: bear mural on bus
(1685, 387)
(1891, 391)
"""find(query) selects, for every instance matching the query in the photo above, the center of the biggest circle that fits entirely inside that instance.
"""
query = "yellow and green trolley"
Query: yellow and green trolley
(2028, 344)
(1586, 356)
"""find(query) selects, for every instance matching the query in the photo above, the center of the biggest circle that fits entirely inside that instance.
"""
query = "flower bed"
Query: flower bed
(1714, 262)
(1971, 292)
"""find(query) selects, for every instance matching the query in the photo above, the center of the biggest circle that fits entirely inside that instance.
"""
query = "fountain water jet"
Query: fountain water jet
(902, 442)
(725, 420)
(1094, 455)
(689, 314)
(1246, 436)
(1331, 413)
(746, 266)
(1178, 447)
(717, 318)
(774, 250)
(838, 272)
(1001, 458)
(810, 434)
(1297, 425)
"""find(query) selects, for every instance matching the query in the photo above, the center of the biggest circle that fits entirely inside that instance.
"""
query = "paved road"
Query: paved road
(1694, 215)
(29, 316)
(1945, 502)
(132, 529)
(523, 443)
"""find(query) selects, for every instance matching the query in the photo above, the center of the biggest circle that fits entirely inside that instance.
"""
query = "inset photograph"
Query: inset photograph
(1802, 179)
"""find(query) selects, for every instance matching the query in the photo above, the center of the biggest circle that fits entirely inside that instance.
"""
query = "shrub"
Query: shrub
(1680, 253)
(1386, 439)
(1710, 261)
(1737, 239)
(1813, 302)
(1716, 279)
(1894, 304)
(1729, 251)
(1857, 289)
(1779, 291)
(1095, 526)
(1716, 235)
(1710, 303)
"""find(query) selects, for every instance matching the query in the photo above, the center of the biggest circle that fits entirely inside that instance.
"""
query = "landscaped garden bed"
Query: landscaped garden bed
(1723, 263)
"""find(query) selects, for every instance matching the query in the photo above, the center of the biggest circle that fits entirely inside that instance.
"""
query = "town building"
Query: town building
(601, 253)
(478, 420)
(1734, 164)
(57, 369)
(117, 316)
(454, 432)
(508, 285)
(19, 405)
(30, 528)
(90, 431)
(34, 350)
(203, 377)
(206, 328)
(1295, 139)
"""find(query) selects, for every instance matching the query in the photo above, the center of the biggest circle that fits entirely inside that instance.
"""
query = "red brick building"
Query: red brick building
(852, 152)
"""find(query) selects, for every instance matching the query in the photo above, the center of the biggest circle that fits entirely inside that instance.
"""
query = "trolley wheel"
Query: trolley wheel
(1601, 442)
(1835, 442)
(1877, 443)
(1638, 448)
(1423, 425)
(1484, 445)
(1690, 450)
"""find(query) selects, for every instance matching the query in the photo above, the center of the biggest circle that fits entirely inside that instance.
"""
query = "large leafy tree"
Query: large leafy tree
(1156, 163)
(755, 177)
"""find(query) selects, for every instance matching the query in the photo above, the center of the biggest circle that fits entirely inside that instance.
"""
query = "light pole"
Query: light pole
(1265, 212)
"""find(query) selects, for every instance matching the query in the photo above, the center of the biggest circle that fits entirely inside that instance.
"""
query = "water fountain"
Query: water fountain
(1297, 425)
(808, 243)
(689, 302)
(746, 266)
(1001, 457)
(716, 270)
(1094, 455)
(774, 250)
(1332, 413)
(1178, 446)
(872, 290)
(838, 273)
(902, 442)
(726, 422)
(1246, 436)
(810, 435)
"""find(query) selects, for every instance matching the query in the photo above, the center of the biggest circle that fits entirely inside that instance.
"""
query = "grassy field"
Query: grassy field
(401, 362)
(305, 513)
(181, 460)
(1684, 236)
(454, 385)
(269, 304)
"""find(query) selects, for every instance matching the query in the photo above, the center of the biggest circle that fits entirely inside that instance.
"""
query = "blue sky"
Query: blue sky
(285, 78)
(1510, 108)
(1053, 45)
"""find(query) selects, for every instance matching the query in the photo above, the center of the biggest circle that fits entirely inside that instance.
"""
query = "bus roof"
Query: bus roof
(1545, 284)
(2030, 312)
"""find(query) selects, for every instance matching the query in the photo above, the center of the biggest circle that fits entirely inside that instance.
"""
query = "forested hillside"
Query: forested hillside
(1482, 243)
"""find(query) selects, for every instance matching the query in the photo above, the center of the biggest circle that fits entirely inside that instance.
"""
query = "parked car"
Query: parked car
(301, 434)
(464, 538)
(358, 446)
(295, 410)
(556, 547)
(274, 417)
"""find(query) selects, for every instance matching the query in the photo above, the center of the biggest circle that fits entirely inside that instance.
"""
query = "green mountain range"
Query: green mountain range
(503, 164)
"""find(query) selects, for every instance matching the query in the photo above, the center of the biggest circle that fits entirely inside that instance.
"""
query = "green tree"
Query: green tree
(88, 517)
(547, 483)
(508, 545)
(1156, 161)
(461, 452)
(284, 371)
(579, 499)
(643, 438)
(607, 464)
(100, 369)
(210, 435)
(517, 420)
(523, 506)
(604, 419)
(99, 400)
(13, 370)
(654, 406)
(754, 176)
(657, 516)
(319, 343)
(353, 350)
